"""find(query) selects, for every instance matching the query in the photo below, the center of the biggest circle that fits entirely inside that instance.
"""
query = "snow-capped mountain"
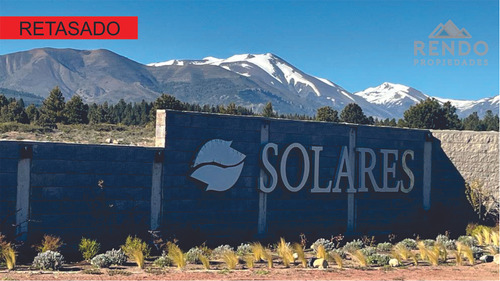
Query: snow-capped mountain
(397, 98)
(249, 80)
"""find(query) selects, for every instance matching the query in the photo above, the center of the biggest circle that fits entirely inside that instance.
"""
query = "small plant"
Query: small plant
(384, 247)
(337, 258)
(48, 260)
(467, 240)
(401, 252)
(244, 249)
(249, 261)
(204, 261)
(360, 257)
(368, 251)
(7, 253)
(119, 272)
(269, 257)
(440, 249)
(300, 254)
(285, 252)
(117, 257)
(378, 259)
(341, 253)
(220, 250)
(89, 248)
(327, 244)
(353, 246)
(320, 252)
(92, 271)
(368, 241)
(136, 249)
(258, 251)
(409, 243)
(428, 242)
(176, 255)
(465, 250)
(193, 255)
(230, 258)
(101, 261)
(49, 243)
(163, 261)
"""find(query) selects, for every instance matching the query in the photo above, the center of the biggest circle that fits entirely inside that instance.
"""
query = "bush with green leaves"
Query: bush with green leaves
(221, 250)
(409, 243)
(48, 260)
(89, 248)
(368, 251)
(477, 251)
(327, 244)
(134, 244)
(163, 261)
(467, 240)
(378, 259)
(384, 247)
(340, 252)
(244, 249)
(428, 242)
(442, 238)
(193, 255)
(117, 257)
(353, 246)
(101, 261)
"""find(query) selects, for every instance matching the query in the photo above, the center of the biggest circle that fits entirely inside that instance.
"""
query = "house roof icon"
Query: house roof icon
(449, 30)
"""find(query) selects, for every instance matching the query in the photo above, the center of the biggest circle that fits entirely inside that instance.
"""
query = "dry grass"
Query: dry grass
(258, 251)
(360, 258)
(9, 256)
(176, 255)
(300, 253)
(422, 250)
(231, 259)
(204, 261)
(268, 256)
(495, 239)
(285, 252)
(49, 243)
(321, 252)
(401, 252)
(337, 258)
(249, 261)
(465, 251)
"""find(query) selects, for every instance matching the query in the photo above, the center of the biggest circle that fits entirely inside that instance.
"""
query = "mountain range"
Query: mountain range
(248, 80)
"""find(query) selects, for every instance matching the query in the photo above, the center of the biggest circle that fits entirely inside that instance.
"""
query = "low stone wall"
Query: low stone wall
(474, 154)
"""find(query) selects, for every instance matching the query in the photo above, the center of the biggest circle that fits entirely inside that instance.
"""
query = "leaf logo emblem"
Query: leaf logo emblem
(218, 165)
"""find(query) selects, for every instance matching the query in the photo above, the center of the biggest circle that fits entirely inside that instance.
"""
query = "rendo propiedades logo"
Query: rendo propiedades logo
(450, 46)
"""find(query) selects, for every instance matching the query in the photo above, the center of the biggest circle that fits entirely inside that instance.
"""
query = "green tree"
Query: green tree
(32, 113)
(165, 102)
(452, 120)
(328, 114)
(76, 112)
(490, 122)
(428, 114)
(52, 110)
(353, 113)
(268, 110)
(473, 123)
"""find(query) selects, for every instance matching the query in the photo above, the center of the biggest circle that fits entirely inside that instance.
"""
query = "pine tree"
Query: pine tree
(76, 112)
(427, 114)
(268, 110)
(328, 114)
(452, 120)
(52, 109)
(32, 113)
(353, 113)
(490, 122)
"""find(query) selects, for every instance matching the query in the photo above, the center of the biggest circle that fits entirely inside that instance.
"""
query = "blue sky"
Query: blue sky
(356, 44)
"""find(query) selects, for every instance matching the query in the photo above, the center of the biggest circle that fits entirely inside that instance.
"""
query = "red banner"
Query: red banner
(68, 28)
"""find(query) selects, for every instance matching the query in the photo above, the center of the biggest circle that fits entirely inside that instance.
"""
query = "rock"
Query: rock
(295, 256)
(116, 141)
(320, 263)
(393, 262)
(486, 258)
(496, 259)
(109, 140)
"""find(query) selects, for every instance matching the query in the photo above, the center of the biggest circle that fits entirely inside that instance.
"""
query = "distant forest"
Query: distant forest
(428, 114)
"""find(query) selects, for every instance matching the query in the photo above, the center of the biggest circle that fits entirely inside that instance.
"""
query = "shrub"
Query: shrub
(220, 250)
(117, 257)
(89, 248)
(163, 261)
(340, 252)
(49, 243)
(409, 243)
(327, 244)
(258, 251)
(360, 257)
(193, 255)
(368, 251)
(428, 242)
(176, 255)
(48, 260)
(230, 258)
(353, 246)
(101, 261)
(384, 247)
(401, 252)
(378, 259)
(136, 249)
(300, 253)
(320, 252)
(7, 253)
(204, 260)
(467, 240)
(244, 249)
(249, 261)
(337, 258)
(285, 252)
